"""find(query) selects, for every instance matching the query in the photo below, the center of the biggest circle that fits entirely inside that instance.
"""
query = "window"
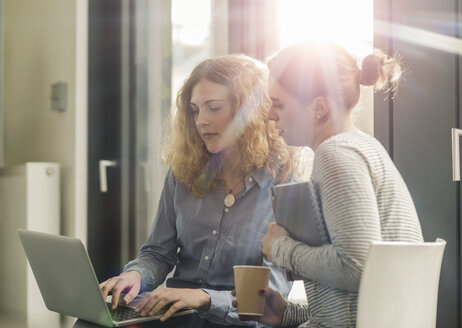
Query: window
(191, 39)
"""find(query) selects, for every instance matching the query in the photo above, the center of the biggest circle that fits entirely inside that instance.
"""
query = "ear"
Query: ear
(320, 108)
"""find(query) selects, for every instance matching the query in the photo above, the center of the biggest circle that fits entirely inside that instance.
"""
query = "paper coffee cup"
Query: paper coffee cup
(249, 280)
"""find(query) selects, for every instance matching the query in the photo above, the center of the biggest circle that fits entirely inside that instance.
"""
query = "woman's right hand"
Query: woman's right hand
(275, 306)
(129, 281)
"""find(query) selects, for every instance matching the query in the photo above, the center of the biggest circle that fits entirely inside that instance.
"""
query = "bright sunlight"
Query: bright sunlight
(348, 23)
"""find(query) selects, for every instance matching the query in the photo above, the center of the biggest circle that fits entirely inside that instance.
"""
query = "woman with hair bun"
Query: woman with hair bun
(314, 87)
(224, 156)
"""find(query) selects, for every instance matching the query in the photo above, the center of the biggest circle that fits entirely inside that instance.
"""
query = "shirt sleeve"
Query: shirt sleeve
(158, 255)
(352, 219)
(221, 308)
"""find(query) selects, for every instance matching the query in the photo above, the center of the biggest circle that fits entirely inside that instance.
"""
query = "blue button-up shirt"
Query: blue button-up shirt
(204, 240)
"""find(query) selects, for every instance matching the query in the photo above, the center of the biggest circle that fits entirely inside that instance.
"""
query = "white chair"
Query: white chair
(399, 285)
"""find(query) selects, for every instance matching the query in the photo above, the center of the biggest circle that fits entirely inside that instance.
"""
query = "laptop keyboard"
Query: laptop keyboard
(122, 313)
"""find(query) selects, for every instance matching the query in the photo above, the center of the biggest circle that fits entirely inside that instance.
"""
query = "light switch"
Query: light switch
(59, 96)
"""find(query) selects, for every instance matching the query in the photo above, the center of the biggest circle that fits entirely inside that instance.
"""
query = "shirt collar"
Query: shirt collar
(261, 176)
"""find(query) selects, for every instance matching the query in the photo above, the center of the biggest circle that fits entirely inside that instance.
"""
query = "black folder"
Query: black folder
(297, 207)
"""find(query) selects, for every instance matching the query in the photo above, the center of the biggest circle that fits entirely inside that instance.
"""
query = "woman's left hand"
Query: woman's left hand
(274, 232)
(275, 307)
(174, 299)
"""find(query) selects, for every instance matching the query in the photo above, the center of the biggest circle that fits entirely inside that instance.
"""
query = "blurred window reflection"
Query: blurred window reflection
(191, 39)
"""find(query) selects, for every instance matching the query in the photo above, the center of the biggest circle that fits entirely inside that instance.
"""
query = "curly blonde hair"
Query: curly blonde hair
(257, 141)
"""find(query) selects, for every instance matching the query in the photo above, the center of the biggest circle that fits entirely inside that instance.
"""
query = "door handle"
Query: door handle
(103, 164)
(456, 133)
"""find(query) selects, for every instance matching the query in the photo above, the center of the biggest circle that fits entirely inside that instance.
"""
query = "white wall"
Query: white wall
(363, 113)
(45, 42)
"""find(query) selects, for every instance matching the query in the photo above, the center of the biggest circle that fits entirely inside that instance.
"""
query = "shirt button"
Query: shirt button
(226, 210)
(214, 232)
(206, 258)
(250, 179)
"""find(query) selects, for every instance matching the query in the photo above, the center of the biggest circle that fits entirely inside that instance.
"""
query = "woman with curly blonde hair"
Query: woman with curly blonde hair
(257, 143)
(224, 156)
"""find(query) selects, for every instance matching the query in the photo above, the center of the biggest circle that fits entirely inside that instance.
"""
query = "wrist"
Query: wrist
(276, 250)
(133, 273)
(205, 300)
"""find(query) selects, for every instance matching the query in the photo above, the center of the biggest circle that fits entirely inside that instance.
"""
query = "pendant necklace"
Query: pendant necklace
(229, 198)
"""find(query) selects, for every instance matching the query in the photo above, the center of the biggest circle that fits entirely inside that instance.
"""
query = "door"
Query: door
(415, 126)
(104, 137)
(129, 102)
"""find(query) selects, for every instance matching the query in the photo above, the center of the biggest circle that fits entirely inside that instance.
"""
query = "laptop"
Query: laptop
(68, 283)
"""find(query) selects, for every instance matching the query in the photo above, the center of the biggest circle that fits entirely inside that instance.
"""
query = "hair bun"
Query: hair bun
(370, 70)
(381, 71)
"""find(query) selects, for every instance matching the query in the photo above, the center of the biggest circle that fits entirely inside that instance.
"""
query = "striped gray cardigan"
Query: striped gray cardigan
(364, 198)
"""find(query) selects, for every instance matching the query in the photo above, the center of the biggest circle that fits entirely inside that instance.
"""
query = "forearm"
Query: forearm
(321, 264)
(158, 255)
(151, 277)
(221, 310)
